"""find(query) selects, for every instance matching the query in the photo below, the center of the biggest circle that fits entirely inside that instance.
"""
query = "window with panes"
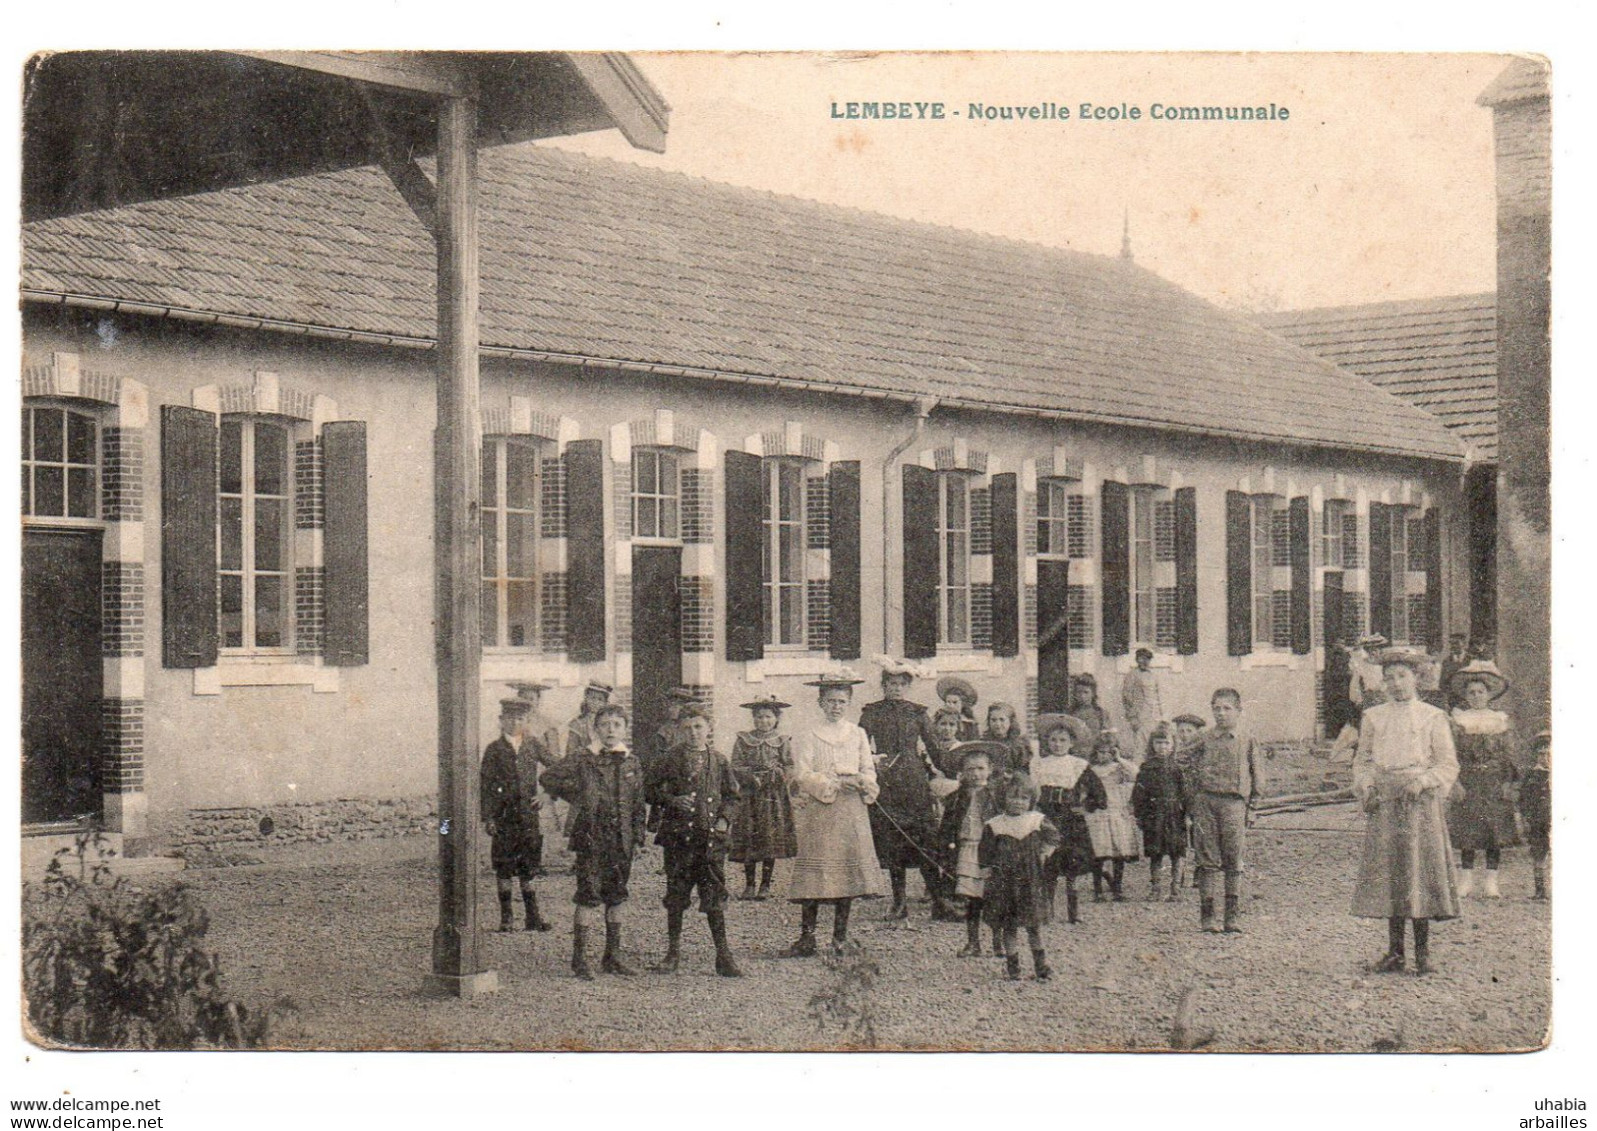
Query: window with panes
(1062, 520)
(255, 535)
(656, 494)
(511, 574)
(1144, 587)
(783, 551)
(1331, 533)
(953, 554)
(60, 463)
(1271, 545)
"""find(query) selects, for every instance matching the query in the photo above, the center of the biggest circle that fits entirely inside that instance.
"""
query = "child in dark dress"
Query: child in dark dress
(1160, 804)
(1015, 848)
(763, 831)
(965, 818)
(1536, 808)
(1067, 794)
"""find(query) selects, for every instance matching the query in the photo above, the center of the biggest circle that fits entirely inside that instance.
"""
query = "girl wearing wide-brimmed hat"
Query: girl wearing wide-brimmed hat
(1481, 817)
(1405, 767)
(960, 695)
(832, 781)
(762, 831)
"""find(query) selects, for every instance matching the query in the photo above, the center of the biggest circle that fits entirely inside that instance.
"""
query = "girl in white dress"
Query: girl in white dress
(832, 781)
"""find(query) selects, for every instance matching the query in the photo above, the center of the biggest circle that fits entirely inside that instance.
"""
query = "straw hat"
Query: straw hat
(892, 665)
(765, 703)
(841, 676)
(1048, 723)
(1478, 671)
(1410, 657)
(1191, 720)
(962, 687)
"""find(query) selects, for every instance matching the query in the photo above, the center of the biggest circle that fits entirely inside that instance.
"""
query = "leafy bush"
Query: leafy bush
(107, 964)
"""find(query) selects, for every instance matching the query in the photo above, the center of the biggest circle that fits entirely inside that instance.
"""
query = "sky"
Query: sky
(1378, 186)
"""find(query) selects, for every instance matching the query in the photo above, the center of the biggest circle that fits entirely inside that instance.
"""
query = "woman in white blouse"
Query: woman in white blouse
(1404, 770)
(832, 781)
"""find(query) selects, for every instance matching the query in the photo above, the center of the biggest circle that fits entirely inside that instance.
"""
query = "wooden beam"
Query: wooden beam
(412, 183)
(437, 73)
(633, 104)
(457, 557)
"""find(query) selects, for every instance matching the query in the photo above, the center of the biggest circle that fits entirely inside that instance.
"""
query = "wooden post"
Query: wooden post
(457, 944)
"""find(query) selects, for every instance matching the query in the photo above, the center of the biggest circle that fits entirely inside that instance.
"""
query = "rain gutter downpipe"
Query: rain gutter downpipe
(923, 409)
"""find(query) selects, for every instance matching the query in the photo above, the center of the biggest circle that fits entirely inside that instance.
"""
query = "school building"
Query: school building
(728, 440)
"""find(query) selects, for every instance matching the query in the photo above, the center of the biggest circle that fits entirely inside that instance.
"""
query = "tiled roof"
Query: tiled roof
(1437, 353)
(594, 259)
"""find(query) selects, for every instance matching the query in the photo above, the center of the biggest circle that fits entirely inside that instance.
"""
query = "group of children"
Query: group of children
(1012, 827)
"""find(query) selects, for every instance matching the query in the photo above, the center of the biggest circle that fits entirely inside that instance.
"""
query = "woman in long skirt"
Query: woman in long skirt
(832, 781)
(1402, 774)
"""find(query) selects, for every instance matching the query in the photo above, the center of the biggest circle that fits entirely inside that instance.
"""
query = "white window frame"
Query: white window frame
(779, 593)
(1142, 566)
(949, 554)
(248, 572)
(496, 461)
(1263, 570)
(1331, 519)
(655, 500)
(30, 464)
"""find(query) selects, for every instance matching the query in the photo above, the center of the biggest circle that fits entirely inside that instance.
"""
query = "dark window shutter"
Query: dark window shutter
(1381, 569)
(745, 548)
(920, 562)
(1053, 635)
(1238, 573)
(189, 635)
(1115, 529)
(1006, 564)
(344, 538)
(585, 551)
(843, 506)
(1302, 577)
(1433, 579)
(1187, 571)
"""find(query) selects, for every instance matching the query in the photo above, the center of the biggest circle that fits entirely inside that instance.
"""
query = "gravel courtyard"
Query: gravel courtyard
(343, 932)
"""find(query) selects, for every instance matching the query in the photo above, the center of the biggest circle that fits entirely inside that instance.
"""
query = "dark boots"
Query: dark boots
(1393, 960)
(507, 921)
(1233, 903)
(535, 921)
(972, 930)
(766, 871)
(1422, 946)
(613, 963)
(1012, 967)
(673, 943)
(1206, 901)
(809, 912)
(749, 891)
(900, 908)
(1039, 965)
(725, 964)
(1072, 905)
(579, 953)
(840, 925)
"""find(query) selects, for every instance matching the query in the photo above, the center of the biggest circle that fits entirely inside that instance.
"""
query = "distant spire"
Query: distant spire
(1125, 237)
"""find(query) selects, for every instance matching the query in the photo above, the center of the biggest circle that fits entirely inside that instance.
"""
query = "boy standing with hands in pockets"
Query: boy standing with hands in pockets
(1225, 771)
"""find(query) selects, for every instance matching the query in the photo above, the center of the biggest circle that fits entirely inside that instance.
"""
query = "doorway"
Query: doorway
(62, 676)
(1053, 636)
(656, 635)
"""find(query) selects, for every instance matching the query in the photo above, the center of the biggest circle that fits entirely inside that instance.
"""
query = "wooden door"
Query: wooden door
(656, 635)
(62, 678)
(1053, 636)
